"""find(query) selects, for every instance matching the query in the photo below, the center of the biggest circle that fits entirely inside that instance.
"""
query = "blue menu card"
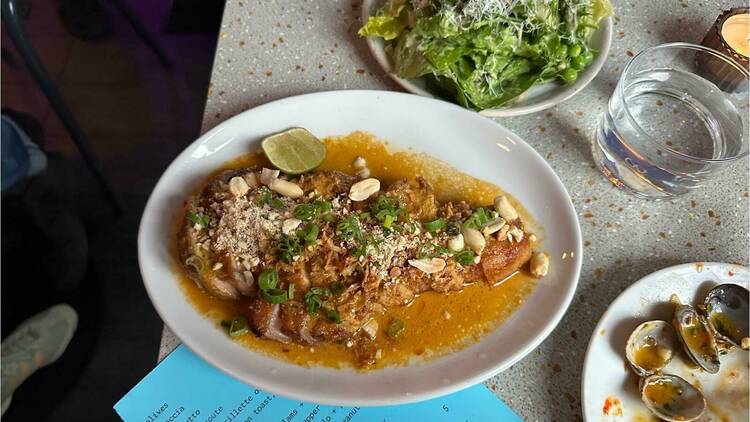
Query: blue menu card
(184, 388)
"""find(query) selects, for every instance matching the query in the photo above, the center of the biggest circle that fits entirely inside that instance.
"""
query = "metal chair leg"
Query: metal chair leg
(13, 23)
(141, 29)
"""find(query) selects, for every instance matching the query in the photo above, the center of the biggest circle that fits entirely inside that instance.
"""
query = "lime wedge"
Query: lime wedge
(294, 151)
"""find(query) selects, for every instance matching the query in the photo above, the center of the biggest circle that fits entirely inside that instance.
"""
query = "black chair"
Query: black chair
(13, 21)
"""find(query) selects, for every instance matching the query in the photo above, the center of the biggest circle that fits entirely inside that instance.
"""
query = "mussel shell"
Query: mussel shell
(672, 398)
(696, 338)
(728, 312)
(650, 333)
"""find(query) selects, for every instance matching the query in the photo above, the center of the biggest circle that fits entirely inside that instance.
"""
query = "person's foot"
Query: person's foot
(85, 19)
(37, 342)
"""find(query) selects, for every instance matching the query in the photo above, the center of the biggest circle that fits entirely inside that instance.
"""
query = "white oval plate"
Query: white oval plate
(606, 374)
(536, 98)
(471, 143)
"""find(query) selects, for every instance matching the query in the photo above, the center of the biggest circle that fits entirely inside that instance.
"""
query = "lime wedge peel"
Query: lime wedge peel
(294, 151)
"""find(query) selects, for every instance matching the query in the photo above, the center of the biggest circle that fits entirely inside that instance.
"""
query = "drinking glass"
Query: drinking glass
(678, 116)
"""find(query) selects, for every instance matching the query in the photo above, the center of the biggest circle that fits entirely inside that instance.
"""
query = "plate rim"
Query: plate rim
(591, 72)
(633, 286)
(438, 390)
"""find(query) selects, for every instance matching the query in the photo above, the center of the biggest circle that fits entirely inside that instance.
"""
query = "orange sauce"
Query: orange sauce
(435, 324)
(662, 392)
(651, 357)
(698, 339)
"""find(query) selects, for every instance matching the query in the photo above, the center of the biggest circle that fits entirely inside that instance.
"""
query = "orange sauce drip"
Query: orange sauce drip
(435, 324)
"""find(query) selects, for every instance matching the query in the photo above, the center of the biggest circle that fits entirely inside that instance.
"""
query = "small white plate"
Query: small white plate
(606, 375)
(536, 98)
(467, 141)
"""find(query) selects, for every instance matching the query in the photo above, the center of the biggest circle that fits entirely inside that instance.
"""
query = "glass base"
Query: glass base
(622, 176)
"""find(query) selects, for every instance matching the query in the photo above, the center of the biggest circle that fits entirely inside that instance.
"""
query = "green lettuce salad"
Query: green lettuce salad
(485, 53)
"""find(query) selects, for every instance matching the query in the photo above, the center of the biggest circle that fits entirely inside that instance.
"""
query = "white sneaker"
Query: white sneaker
(37, 342)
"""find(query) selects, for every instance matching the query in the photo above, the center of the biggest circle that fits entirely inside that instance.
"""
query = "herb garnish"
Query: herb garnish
(465, 257)
(478, 218)
(334, 316)
(314, 300)
(266, 197)
(386, 209)
(237, 327)
(434, 226)
(309, 234)
(200, 221)
(307, 212)
(348, 228)
(288, 247)
(314, 297)
(267, 282)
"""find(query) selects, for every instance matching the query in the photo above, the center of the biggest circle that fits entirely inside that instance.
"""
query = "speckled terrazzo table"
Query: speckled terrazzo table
(275, 49)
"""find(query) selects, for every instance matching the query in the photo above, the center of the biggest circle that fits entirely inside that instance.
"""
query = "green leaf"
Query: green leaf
(386, 27)
(602, 9)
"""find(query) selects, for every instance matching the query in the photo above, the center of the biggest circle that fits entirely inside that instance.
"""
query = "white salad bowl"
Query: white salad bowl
(447, 132)
(536, 98)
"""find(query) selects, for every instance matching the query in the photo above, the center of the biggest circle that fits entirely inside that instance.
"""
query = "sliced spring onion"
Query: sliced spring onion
(434, 225)
(320, 291)
(195, 262)
(274, 295)
(305, 212)
(465, 257)
(287, 247)
(395, 328)
(199, 220)
(266, 197)
(268, 279)
(238, 326)
(388, 221)
(323, 206)
(478, 219)
(276, 203)
(313, 302)
(334, 316)
(290, 291)
(309, 234)
(348, 228)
